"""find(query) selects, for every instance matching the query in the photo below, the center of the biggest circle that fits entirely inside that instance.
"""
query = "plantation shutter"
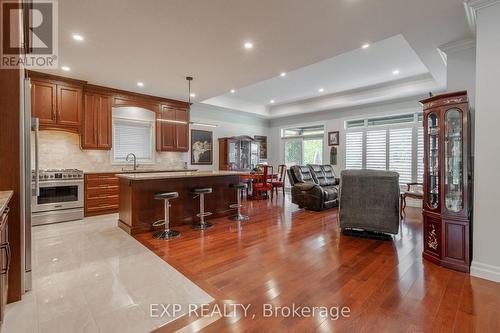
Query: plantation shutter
(354, 150)
(376, 150)
(400, 153)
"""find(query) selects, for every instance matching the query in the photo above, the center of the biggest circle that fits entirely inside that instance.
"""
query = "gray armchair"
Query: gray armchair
(369, 200)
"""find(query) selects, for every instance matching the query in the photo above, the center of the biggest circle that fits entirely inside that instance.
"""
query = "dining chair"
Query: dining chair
(263, 184)
(280, 181)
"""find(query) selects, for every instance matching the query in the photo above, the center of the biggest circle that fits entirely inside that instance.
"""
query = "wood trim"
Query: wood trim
(55, 78)
(128, 95)
(10, 169)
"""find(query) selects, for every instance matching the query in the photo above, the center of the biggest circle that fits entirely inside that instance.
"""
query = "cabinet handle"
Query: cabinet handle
(6, 247)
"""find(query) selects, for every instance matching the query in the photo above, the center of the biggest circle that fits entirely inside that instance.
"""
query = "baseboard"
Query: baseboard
(485, 271)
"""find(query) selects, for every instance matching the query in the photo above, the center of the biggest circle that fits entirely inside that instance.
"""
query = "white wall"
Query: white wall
(61, 150)
(334, 121)
(229, 123)
(486, 223)
(461, 73)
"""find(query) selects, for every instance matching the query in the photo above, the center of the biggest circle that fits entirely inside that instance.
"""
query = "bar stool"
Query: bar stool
(166, 233)
(200, 192)
(238, 217)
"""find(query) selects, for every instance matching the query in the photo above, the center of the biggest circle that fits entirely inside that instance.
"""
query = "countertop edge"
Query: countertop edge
(137, 171)
(166, 175)
(5, 197)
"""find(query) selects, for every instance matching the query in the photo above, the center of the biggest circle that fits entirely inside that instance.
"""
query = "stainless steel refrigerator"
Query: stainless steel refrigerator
(30, 161)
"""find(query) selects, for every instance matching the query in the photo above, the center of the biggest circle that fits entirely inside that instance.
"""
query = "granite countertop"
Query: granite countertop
(145, 170)
(4, 200)
(173, 175)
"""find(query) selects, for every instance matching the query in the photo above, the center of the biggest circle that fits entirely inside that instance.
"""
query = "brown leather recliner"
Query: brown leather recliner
(314, 187)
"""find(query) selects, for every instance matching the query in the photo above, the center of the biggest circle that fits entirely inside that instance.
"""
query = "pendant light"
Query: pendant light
(189, 79)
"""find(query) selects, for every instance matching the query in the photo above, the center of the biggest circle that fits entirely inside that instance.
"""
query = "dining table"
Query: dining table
(252, 177)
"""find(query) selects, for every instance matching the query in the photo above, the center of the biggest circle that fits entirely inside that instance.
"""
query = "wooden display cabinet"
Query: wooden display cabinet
(239, 153)
(447, 204)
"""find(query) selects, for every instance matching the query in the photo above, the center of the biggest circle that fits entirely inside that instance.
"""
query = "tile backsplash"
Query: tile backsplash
(61, 150)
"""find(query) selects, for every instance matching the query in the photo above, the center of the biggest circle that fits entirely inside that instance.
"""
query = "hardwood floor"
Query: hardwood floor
(286, 256)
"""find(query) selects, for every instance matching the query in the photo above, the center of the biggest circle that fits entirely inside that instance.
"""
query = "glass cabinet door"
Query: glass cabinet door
(233, 154)
(245, 155)
(453, 177)
(433, 160)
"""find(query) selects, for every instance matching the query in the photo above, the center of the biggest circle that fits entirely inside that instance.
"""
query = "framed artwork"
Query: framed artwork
(333, 138)
(263, 145)
(201, 147)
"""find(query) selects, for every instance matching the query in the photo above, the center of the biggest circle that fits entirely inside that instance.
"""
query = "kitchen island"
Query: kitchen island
(138, 209)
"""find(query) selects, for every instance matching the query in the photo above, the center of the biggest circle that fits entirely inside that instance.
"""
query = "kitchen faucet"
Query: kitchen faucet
(134, 158)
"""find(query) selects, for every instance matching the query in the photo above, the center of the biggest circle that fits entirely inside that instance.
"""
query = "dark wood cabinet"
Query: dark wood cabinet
(101, 194)
(447, 201)
(56, 103)
(5, 258)
(239, 153)
(43, 102)
(97, 120)
(172, 129)
(69, 105)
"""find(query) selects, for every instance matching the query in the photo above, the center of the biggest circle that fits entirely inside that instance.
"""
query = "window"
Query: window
(133, 136)
(303, 145)
(387, 143)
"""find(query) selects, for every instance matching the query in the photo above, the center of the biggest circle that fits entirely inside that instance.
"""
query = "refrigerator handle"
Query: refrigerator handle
(35, 125)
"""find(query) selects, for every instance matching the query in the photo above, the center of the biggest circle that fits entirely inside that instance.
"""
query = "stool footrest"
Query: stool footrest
(158, 223)
(234, 206)
(204, 214)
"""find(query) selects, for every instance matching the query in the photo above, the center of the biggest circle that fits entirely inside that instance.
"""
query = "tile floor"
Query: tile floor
(90, 276)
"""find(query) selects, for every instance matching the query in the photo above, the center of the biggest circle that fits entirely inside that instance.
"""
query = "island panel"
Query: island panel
(138, 209)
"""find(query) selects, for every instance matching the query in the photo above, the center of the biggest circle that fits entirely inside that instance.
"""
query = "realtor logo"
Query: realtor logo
(29, 36)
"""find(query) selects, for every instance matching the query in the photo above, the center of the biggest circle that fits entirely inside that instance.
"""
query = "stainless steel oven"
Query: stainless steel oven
(60, 197)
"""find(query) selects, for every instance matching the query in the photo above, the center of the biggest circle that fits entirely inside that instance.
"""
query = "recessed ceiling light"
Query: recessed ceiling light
(233, 91)
(248, 45)
(77, 37)
(192, 94)
(283, 74)
(395, 72)
(321, 89)
(65, 68)
(140, 84)
(365, 46)
(271, 101)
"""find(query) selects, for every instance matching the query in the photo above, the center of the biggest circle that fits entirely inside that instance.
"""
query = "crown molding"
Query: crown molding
(471, 8)
(459, 45)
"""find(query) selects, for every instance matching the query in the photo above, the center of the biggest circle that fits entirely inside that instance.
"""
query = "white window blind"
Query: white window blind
(132, 137)
(420, 154)
(354, 150)
(400, 153)
(376, 147)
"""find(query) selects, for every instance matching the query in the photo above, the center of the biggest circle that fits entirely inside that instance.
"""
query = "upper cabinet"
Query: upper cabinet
(69, 105)
(57, 104)
(43, 102)
(172, 129)
(77, 106)
(97, 118)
